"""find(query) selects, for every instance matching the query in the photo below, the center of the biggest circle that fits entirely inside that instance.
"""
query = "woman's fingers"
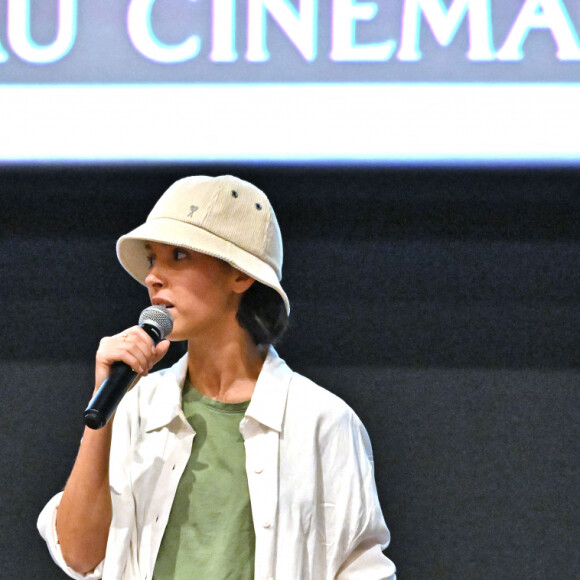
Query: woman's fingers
(134, 347)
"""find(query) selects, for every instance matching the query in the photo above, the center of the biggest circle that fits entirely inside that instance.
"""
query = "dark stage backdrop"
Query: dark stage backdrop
(443, 305)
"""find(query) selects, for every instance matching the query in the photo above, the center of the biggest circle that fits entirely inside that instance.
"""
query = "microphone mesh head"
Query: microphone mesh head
(160, 316)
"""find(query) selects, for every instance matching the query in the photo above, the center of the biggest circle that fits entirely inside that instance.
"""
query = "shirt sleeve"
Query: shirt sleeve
(47, 527)
(366, 563)
(368, 535)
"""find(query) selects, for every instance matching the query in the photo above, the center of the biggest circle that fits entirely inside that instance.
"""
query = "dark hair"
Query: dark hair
(263, 314)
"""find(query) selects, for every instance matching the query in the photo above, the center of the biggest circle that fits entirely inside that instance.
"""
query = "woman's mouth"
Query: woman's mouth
(161, 302)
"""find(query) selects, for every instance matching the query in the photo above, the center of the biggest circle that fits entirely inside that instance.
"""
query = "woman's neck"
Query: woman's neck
(226, 370)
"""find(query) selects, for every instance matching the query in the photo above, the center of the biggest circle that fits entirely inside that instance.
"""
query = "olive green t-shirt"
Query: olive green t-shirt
(210, 533)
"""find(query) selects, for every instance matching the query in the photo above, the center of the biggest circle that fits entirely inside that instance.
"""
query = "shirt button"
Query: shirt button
(258, 470)
(266, 524)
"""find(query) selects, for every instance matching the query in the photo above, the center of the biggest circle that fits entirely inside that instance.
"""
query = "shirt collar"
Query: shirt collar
(266, 407)
(165, 403)
(268, 402)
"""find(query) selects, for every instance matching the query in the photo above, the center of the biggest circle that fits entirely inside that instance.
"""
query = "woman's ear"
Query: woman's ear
(242, 282)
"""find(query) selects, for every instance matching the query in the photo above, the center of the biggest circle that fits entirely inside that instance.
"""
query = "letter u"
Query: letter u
(21, 41)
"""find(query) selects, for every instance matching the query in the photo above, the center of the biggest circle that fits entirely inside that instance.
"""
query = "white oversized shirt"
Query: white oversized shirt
(310, 474)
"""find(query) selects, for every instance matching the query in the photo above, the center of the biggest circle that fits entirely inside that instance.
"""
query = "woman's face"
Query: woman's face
(201, 292)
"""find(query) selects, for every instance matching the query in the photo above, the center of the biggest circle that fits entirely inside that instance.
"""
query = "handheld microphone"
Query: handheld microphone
(157, 322)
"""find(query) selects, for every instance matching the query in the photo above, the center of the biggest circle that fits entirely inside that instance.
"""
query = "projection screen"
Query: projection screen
(333, 81)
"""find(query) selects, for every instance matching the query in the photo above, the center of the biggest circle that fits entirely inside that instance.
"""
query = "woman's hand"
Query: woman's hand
(134, 347)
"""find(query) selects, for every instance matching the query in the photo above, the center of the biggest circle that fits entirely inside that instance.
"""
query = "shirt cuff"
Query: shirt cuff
(46, 525)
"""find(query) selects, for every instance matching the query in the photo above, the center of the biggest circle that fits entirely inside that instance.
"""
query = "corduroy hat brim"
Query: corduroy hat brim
(133, 255)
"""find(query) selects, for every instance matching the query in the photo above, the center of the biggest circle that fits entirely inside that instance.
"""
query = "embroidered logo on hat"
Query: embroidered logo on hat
(192, 209)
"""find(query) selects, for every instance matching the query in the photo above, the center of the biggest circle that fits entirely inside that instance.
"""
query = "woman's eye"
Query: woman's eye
(179, 254)
(150, 261)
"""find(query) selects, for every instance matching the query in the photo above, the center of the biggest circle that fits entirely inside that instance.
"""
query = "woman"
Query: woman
(228, 464)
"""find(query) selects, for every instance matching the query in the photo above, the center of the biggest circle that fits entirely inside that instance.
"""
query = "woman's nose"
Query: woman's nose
(154, 277)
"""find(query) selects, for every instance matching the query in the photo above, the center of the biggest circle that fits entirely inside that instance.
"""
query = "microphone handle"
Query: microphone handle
(103, 404)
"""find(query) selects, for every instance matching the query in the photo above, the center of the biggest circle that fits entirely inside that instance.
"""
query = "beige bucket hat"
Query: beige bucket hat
(224, 217)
